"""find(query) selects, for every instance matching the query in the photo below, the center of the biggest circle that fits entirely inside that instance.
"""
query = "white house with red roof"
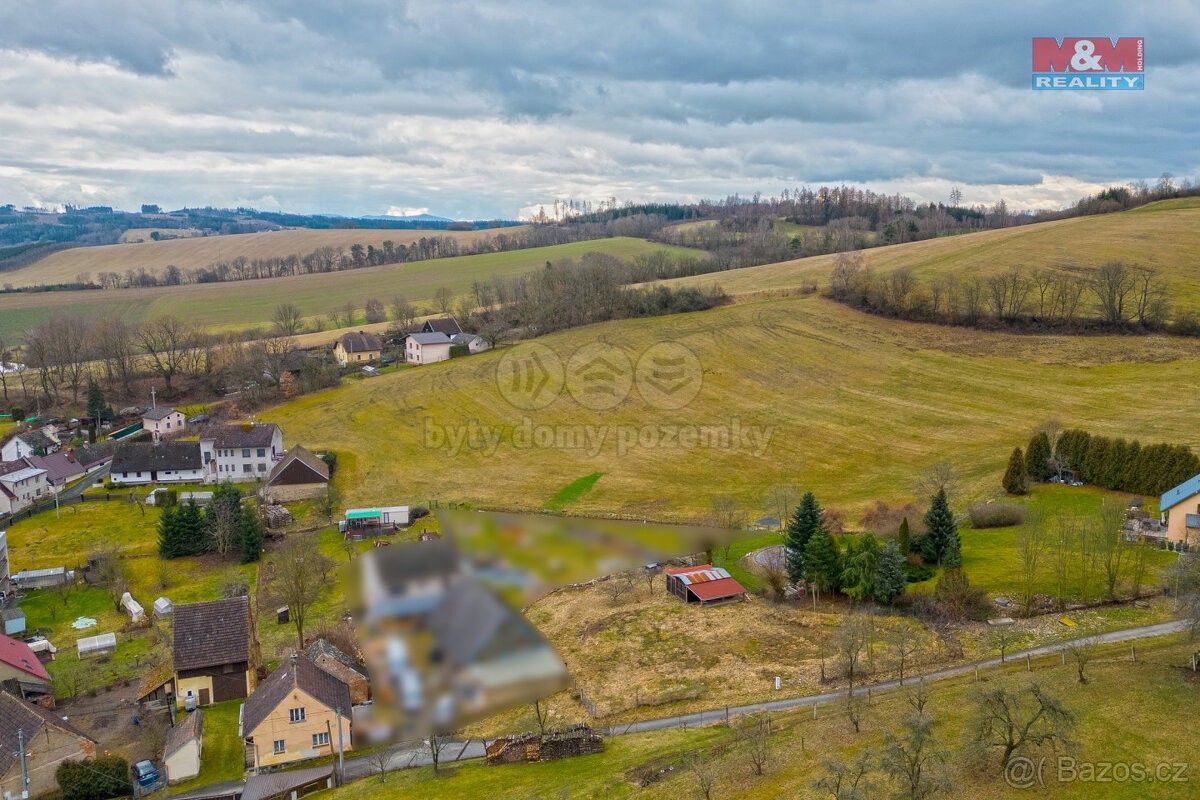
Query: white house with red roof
(21, 669)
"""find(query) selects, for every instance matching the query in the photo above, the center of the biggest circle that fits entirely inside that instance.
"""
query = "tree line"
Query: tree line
(1119, 464)
(1114, 297)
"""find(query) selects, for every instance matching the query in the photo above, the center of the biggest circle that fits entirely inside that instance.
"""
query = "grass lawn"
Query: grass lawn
(572, 492)
(222, 752)
(851, 406)
(1127, 712)
(63, 538)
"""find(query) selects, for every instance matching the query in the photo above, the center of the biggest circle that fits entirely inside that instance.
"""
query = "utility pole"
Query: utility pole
(153, 401)
(24, 766)
(341, 750)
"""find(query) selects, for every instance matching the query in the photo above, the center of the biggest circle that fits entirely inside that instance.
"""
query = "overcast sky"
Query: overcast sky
(482, 109)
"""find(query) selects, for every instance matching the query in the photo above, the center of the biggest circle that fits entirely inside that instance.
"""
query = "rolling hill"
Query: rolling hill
(853, 406)
(201, 251)
(1164, 235)
(242, 304)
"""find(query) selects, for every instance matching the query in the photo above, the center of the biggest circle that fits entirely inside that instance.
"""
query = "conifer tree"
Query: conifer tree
(904, 539)
(943, 531)
(1015, 480)
(860, 564)
(193, 537)
(252, 537)
(890, 578)
(807, 520)
(168, 533)
(1037, 457)
(822, 561)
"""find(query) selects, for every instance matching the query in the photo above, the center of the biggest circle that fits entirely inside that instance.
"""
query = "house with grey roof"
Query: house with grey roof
(138, 463)
(21, 486)
(299, 711)
(240, 453)
(473, 343)
(357, 347)
(49, 741)
(37, 442)
(426, 348)
(446, 325)
(163, 421)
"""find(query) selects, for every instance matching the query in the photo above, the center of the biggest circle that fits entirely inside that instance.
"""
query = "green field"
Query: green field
(1126, 713)
(242, 304)
(1163, 235)
(856, 407)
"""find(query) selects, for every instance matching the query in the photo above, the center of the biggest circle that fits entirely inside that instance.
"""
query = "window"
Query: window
(245, 467)
(296, 714)
(245, 452)
(321, 739)
(279, 746)
(262, 452)
(262, 467)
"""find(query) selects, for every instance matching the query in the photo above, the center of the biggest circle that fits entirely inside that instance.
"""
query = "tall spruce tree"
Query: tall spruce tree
(193, 536)
(904, 538)
(860, 565)
(95, 402)
(822, 561)
(942, 529)
(890, 578)
(1037, 457)
(252, 536)
(168, 533)
(1015, 480)
(808, 518)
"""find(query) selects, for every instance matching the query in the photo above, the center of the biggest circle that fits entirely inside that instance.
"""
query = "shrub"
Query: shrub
(995, 515)
(94, 778)
(916, 573)
(960, 599)
(330, 460)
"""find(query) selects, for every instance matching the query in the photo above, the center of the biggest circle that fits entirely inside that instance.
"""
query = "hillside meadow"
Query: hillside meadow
(1126, 713)
(805, 391)
(190, 251)
(1164, 235)
(242, 304)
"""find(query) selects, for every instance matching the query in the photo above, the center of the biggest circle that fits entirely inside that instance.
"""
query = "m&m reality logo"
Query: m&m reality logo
(1089, 63)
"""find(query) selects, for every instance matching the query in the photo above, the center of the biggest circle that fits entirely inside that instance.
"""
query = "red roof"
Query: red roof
(716, 590)
(19, 656)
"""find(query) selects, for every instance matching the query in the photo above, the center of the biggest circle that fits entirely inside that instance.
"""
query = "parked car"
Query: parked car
(386, 360)
(198, 419)
(146, 774)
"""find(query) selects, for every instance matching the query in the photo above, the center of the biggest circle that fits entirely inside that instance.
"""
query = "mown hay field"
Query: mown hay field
(242, 304)
(852, 406)
(1164, 236)
(202, 251)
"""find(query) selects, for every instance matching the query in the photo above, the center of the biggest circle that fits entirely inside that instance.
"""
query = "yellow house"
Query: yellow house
(216, 653)
(1180, 508)
(300, 711)
(357, 348)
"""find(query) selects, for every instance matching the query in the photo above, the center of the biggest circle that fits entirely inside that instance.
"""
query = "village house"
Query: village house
(162, 421)
(215, 651)
(287, 785)
(61, 468)
(182, 750)
(31, 443)
(240, 453)
(49, 740)
(1180, 510)
(342, 666)
(299, 711)
(703, 584)
(357, 347)
(426, 348)
(137, 463)
(299, 476)
(474, 344)
(21, 486)
(446, 325)
(21, 673)
(92, 457)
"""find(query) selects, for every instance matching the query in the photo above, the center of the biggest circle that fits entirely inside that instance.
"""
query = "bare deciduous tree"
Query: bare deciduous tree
(287, 319)
(1016, 721)
(299, 577)
(169, 342)
(754, 737)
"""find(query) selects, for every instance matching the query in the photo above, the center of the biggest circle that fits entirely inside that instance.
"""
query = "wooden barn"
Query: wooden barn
(703, 584)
